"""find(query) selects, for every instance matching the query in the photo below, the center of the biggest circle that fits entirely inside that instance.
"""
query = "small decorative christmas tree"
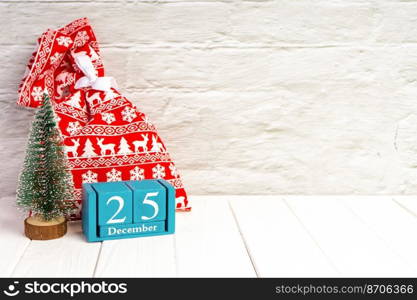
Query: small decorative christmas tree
(45, 186)
(124, 147)
(88, 150)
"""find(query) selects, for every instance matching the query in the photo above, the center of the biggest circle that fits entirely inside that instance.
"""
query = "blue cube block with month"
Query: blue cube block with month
(113, 210)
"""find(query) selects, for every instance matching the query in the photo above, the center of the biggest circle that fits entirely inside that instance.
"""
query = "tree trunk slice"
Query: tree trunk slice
(36, 229)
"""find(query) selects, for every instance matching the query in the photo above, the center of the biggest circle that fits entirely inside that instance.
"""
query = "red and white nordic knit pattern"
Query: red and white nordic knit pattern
(106, 137)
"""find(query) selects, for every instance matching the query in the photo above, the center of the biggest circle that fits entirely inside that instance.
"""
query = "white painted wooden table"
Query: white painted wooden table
(265, 236)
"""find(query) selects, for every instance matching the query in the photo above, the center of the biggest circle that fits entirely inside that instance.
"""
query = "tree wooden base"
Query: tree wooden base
(37, 229)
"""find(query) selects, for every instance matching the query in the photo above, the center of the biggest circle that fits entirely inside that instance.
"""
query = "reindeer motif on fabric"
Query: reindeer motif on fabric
(105, 147)
(141, 144)
(73, 148)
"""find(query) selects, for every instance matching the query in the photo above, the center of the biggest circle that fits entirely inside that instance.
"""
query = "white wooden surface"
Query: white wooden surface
(235, 236)
(277, 241)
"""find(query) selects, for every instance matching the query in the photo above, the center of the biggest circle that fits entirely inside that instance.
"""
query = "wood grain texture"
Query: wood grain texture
(45, 232)
(408, 203)
(138, 257)
(277, 242)
(12, 239)
(391, 223)
(208, 241)
(227, 236)
(70, 256)
(351, 245)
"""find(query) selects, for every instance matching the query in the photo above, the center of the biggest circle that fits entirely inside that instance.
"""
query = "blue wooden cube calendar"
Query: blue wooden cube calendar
(126, 209)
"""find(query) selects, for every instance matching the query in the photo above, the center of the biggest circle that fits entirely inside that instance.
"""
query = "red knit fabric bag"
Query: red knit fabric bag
(106, 137)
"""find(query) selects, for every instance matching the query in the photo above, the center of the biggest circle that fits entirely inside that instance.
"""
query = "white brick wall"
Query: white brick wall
(251, 97)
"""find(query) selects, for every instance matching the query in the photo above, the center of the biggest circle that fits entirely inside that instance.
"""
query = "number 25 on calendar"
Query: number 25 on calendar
(115, 219)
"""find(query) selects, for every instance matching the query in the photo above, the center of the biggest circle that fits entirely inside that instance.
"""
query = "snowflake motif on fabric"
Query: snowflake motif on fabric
(108, 117)
(73, 127)
(158, 172)
(137, 174)
(81, 38)
(114, 175)
(37, 93)
(128, 114)
(89, 177)
(55, 58)
(173, 170)
(64, 41)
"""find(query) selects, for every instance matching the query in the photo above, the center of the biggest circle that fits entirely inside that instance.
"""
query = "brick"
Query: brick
(396, 23)
(114, 23)
(302, 22)
(248, 69)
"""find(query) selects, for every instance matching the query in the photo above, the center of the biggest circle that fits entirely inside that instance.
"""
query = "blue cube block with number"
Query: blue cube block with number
(149, 201)
(124, 209)
(114, 203)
